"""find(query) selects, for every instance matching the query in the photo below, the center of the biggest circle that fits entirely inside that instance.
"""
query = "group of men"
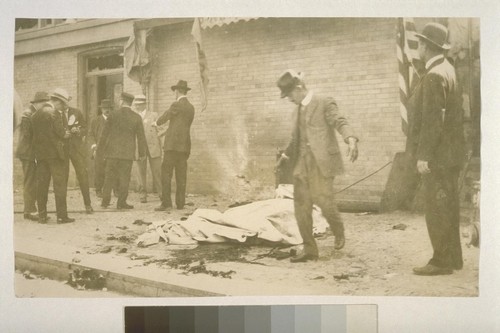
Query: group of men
(434, 147)
(52, 134)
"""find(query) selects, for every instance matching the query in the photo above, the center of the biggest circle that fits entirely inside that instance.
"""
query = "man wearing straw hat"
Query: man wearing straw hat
(77, 150)
(25, 153)
(436, 145)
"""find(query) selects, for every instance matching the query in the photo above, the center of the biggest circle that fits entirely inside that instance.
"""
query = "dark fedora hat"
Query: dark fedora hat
(126, 97)
(181, 85)
(41, 96)
(435, 34)
(288, 81)
(106, 104)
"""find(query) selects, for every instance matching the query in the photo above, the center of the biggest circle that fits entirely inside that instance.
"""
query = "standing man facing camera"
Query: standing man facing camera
(435, 144)
(315, 155)
(177, 146)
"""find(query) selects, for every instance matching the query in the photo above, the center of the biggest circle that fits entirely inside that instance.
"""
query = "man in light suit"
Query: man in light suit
(77, 148)
(177, 146)
(435, 145)
(153, 142)
(96, 128)
(316, 158)
(26, 154)
(122, 132)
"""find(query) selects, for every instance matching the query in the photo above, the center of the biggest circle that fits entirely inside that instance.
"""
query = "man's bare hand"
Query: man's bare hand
(352, 149)
(280, 161)
(423, 167)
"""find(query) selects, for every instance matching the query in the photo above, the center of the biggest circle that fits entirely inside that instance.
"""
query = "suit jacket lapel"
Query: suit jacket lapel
(310, 108)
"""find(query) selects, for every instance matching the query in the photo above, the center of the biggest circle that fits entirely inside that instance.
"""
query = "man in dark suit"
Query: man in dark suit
(177, 146)
(435, 144)
(315, 155)
(118, 145)
(96, 128)
(50, 134)
(77, 127)
(25, 153)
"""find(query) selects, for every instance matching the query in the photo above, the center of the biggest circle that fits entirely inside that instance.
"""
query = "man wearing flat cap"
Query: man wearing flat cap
(122, 133)
(25, 153)
(315, 155)
(177, 146)
(96, 128)
(154, 149)
(77, 149)
(435, 144)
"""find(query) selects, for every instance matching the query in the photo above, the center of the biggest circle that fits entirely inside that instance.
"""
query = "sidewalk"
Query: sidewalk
(376, 261)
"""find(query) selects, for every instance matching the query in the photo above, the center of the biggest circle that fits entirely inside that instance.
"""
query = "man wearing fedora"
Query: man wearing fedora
(177, 146)
(154, 149)
(123, 130)
(316, 159)
(25, 153)
(50, 148)
(435, 144)
(96, 128)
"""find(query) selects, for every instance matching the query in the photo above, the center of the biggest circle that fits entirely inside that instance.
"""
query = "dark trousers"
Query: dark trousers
(310, 188)
(442, 215)
(174, 160)
(116, 170)
(58, 170)
(99, 171)
(78, 159)
(29, 186)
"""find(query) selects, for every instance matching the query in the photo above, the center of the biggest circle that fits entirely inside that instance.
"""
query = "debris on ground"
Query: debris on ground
(141, 222)
(399, 226)
(238, 204)
(122, 227)
(135, 256)
(29, 276)
(341, 277)
(83, 279)
(106, 249)
(122, 238)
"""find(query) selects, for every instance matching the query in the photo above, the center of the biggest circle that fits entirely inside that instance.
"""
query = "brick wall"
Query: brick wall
(235, 139)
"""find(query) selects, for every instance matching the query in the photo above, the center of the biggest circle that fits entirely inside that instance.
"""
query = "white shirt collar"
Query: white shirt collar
(104, 116)
(432, 60)
(182, 96)
(307, 99)
(143, 113)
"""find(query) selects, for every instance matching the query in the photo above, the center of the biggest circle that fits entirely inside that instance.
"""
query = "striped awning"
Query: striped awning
(210, 22)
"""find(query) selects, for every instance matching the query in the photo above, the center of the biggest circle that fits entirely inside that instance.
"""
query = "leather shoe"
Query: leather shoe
(162, 208)
(457, 266)
(89, 209)
(430, 270)
(124, 206)
(339, 242)
(304, 257)
(31, 217)
(62, 220)
(43, 220)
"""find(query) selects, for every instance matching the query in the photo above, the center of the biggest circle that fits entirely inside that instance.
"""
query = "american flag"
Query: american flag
(202, 61)
(407, 45)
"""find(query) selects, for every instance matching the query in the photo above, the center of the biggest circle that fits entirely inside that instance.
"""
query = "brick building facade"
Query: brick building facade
(236, 137)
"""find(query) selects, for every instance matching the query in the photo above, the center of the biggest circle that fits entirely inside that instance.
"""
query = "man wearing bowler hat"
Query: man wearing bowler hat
(435, 145)
(50, 136)
(77, 149)
(177, 146)
(25, 153)
(122, 131)
(154, 149)
(96, 128)
(315, 155)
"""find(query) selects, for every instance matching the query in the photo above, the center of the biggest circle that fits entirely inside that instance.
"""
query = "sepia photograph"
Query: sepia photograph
(247, 156)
